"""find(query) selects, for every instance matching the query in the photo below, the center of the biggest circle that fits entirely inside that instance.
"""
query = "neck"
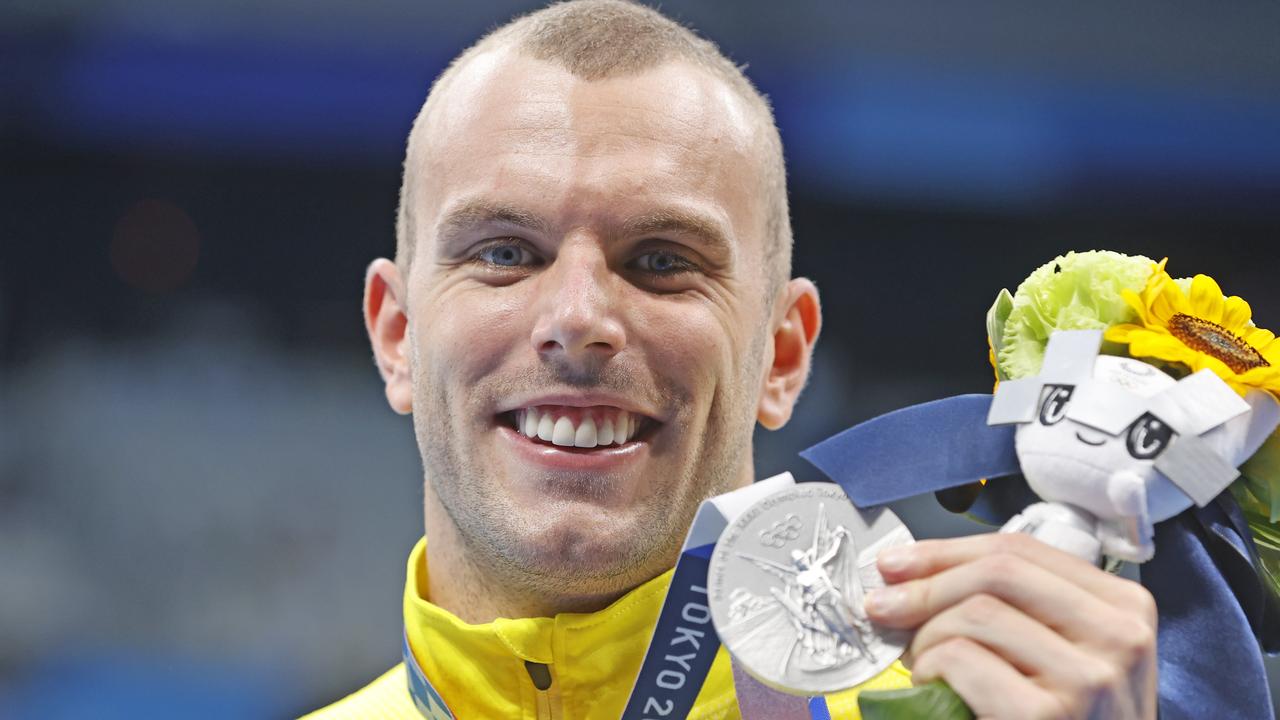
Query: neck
(475, 600)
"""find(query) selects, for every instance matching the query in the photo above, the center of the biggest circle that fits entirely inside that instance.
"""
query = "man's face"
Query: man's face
(588, 254)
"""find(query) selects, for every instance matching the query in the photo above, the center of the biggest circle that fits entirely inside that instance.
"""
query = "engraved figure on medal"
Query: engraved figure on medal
(787, 583)
(827, 613)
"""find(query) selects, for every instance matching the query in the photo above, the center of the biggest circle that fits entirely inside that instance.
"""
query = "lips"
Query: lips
(597, 426)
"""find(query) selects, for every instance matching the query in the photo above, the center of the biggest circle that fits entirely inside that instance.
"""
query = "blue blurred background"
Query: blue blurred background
(205, 504)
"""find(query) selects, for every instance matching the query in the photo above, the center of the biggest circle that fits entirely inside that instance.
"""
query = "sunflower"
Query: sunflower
(1200, 328)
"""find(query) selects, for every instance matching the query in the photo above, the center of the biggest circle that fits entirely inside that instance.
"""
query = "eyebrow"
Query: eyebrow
(675, 220)
(478, 212)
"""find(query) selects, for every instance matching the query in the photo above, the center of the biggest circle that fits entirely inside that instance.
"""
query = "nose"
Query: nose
(577, 312)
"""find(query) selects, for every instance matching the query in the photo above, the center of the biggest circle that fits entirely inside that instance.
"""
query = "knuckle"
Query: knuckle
(979, 610)
(995, 563)
(951, 650)
(922, 595)
(999, 570)
(1135, 640)
(1098, 678)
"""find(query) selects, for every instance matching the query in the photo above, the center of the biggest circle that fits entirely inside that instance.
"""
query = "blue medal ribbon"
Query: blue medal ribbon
(684, 641)
(917, 450)
(683, 647)
(818, 709)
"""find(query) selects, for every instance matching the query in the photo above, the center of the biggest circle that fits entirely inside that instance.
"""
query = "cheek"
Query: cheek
(462, 337)
(687, 341)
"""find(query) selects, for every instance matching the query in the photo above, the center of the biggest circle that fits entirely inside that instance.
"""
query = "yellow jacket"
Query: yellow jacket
(483, 671)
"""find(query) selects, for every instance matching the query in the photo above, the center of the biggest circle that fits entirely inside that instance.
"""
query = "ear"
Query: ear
(798, 318)
(386, 321)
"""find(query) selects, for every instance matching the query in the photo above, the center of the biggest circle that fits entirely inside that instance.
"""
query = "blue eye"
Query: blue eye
(663, 263)
(506, 255)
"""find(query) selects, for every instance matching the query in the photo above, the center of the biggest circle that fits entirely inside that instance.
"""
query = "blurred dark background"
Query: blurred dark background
(205, 504)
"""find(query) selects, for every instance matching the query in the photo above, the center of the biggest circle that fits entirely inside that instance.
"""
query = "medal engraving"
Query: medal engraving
(786, 589)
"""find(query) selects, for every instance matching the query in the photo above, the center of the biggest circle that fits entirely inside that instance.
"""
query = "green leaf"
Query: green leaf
(996, 318)
(1266, 535)
(1266, 538)
(1263, 474)
(931, 701)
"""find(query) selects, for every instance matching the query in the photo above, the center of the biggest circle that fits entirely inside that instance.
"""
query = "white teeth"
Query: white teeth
(586, 435)
(614, 428)
(563, 432)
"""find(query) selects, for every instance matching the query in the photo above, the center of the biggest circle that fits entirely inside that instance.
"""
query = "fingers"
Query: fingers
(1029, 646)
(930, 557)
(1020, 629)
(1052, 600)
(991, 687)
(1005, 664)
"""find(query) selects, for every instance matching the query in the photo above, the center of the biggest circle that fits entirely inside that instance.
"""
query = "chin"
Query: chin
(587, 544)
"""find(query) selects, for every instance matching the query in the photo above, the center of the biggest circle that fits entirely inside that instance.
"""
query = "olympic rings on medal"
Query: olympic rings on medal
(781, 532)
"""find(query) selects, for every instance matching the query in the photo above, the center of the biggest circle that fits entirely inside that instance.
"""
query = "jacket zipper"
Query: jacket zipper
(547, 691)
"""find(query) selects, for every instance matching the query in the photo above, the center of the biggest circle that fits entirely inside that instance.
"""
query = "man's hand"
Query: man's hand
(1020, 629)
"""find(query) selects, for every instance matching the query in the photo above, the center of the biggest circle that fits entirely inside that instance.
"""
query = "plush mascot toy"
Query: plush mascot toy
(1134, 421)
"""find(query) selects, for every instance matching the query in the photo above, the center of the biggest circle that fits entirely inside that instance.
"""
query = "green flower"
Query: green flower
(1076, 291)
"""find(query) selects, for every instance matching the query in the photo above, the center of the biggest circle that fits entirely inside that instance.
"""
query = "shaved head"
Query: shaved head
(604, 39)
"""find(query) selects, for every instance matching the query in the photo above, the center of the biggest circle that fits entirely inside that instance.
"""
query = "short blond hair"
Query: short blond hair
(599, 39)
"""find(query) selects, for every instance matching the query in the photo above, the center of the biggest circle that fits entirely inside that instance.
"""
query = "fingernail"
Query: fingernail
(894, 559)
(885, 600)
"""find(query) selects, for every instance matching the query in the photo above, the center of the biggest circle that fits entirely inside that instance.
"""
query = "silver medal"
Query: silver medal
(786, 587)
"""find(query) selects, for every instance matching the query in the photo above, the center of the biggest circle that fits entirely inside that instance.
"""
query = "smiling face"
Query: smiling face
(589, 333)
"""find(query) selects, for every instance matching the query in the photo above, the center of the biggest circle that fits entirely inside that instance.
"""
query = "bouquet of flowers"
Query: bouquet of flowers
(1181, 325)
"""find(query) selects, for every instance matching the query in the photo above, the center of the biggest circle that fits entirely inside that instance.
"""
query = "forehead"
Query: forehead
(515, 129)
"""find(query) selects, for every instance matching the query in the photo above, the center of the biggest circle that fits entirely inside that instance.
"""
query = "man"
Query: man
(589, 310)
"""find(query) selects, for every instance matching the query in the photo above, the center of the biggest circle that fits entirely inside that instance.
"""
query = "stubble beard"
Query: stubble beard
(517, 556)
